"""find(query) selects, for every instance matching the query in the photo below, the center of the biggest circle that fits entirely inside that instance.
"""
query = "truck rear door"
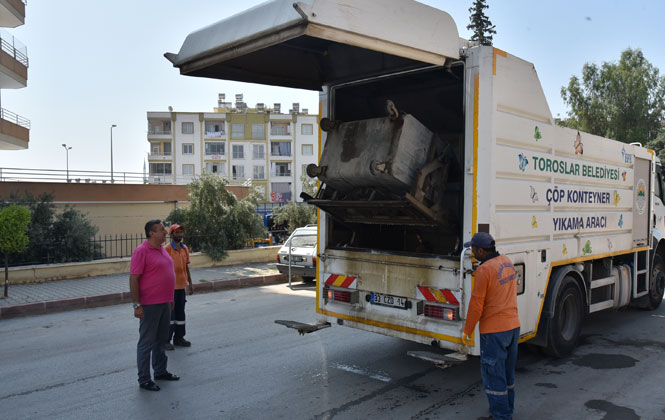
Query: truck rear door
(313, 43)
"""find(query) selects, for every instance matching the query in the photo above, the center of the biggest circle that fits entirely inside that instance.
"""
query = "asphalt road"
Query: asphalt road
(81, 365)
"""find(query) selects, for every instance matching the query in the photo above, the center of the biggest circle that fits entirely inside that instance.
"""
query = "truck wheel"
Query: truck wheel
(566, 325)
(656, 283)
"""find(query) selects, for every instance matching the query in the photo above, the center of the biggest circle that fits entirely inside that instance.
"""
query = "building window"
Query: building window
(237, 131)
(159, 127)
(215, 148)
(167, 149)
(280, 148)
(259, 151)
(238, 151)
(188, 128)
(307, 129)
(259, 172)
(214, 128)
(218, 168)
(155, 148)
(238, 172)
(188, 170)
(280, 128)
(281, 191)
(160, 169)
(307, 149)
(258, 131)
(280, 169)
(188, 149)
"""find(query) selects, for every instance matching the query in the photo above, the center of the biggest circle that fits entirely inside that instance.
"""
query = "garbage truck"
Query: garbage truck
(426, 139)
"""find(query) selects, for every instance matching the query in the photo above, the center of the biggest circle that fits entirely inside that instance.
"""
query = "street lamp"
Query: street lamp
(67, 149)
(112, 152)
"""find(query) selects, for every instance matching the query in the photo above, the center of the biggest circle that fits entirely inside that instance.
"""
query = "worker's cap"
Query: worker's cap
(175, 227)
(480, 240)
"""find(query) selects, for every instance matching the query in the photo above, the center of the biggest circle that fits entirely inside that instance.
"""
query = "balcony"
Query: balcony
(14, 131)
(160, 179)
(160, 156)
(12, 13)
(159, 132)
(215, 134)
(13, 62)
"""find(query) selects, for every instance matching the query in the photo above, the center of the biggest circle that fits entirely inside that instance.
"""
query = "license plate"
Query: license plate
(388, 300)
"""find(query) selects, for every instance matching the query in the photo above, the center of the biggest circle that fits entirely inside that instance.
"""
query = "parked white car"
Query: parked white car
(302, 244)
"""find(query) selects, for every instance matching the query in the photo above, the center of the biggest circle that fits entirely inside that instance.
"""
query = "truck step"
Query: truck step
(602, 282)
(302, 327)
(441, 360)
(601, 305)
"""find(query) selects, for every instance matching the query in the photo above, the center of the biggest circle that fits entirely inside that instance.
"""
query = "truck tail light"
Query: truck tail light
(337, 295)
(441, 312)
(314, 261)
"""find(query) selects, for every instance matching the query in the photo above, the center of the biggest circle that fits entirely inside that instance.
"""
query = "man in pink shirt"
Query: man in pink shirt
(152, 282)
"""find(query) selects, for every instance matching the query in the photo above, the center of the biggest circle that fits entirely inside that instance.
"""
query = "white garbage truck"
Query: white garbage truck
(426, 139)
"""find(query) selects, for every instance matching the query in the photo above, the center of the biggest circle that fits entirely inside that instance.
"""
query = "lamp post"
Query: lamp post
(67, 149)
(112, 152)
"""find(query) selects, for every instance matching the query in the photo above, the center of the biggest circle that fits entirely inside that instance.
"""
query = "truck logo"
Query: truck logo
(523, 162)
(564, 251)
(536, 134)
(534, 223)
(610, 245)
(623, 174)
(578, 146)
(533, 194)
(621, 222)
(587, 248)
(641, 198)
(627, 157)
(617, 198)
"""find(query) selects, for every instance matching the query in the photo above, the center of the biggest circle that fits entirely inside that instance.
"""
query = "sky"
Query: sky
(94, 64)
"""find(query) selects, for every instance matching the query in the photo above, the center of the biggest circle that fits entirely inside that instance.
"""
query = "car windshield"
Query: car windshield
(303, 241)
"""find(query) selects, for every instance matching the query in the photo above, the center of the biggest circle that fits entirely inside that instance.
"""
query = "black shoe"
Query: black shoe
(150, 386)
(181, 342)
(168, 376)
(169, 346)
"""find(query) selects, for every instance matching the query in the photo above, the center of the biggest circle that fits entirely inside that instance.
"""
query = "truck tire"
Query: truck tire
(566, 324)
(656, 284)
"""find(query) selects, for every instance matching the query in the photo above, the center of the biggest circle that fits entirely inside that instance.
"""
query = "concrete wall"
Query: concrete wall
(48, 272)
(116, 209)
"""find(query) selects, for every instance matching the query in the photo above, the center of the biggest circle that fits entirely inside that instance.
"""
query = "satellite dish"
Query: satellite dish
(170, 108)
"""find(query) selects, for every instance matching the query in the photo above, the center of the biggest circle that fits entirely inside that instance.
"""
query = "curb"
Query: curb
(71, 304)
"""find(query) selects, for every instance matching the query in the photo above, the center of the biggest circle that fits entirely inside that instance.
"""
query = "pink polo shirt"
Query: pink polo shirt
(155, 266)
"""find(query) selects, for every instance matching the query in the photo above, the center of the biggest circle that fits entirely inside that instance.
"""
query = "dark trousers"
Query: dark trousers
(153, 334)
(498, 357)
(178, 315)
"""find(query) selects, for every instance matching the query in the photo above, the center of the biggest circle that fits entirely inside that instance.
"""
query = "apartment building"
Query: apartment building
(14, 129)
(259, 146)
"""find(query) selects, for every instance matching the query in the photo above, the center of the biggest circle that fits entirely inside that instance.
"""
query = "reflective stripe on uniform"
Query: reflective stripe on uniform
(511, 386)
(487, 391)
(178, 322)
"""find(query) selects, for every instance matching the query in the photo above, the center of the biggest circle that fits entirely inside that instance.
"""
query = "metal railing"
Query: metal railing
(75, 176)
(159, 132)
(13, 47)
(13, 117)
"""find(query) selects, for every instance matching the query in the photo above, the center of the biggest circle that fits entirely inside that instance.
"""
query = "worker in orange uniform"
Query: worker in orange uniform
(180, 255)
(494, 303)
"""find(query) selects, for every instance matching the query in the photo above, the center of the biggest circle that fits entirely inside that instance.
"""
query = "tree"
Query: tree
(480, 24)
(54, 237)
(658, 145)
(309, 185)
(624, 101)
(216, 220)
(14, 222)
(295, 215)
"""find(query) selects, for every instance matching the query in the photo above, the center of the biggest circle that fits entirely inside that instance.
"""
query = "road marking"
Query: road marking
(359, 371)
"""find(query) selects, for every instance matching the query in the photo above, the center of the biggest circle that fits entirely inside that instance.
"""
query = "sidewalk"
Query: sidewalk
(64, 295)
